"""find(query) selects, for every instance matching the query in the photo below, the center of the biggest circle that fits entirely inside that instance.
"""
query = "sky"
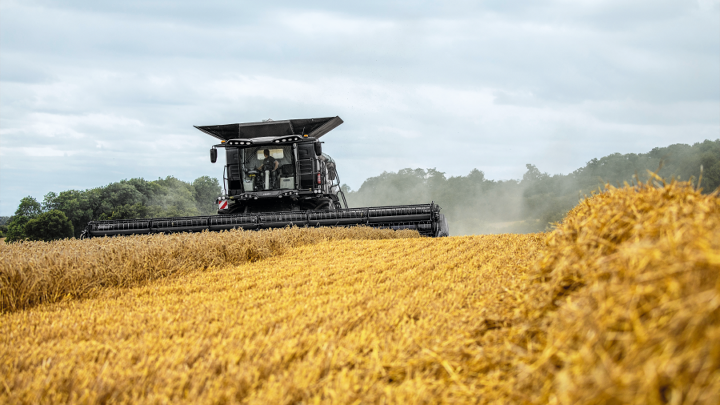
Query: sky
(93, 92)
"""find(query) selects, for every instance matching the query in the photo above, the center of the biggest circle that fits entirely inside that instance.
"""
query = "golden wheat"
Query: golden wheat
(630, 287)
(37, 272)
(620, 304)
(338, 320)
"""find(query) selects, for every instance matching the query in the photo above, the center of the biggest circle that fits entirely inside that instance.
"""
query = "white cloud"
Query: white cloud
(93, 92)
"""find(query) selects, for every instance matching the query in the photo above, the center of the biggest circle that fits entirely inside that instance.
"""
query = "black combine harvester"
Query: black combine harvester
(276, 175)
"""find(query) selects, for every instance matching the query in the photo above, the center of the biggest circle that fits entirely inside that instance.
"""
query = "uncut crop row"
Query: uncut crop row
(40, 272)
(619, 304)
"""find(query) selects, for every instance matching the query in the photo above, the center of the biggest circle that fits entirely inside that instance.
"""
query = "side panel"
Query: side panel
(306, 165)
(233, 171)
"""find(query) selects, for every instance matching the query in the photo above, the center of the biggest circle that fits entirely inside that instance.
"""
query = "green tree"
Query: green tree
(118, 194)
(49, 201)
(176, 199)
(49, 226)
(28, 209)
(79, 206)
(533, 175)
(16, 229)
(126, 211)
(207, 190)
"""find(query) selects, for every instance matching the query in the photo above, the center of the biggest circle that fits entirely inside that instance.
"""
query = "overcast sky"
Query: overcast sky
(92, 92)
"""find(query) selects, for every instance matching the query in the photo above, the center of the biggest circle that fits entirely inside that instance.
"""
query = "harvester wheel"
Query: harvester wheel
(323, 206)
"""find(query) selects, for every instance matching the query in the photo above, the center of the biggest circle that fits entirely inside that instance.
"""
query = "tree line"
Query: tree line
(473, 204)
(66, 214)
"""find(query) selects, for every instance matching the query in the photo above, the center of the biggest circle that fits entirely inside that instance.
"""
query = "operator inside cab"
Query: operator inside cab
(269, 163)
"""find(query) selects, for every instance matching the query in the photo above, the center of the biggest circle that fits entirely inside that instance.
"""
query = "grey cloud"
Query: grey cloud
(112, 89)
(558, 64)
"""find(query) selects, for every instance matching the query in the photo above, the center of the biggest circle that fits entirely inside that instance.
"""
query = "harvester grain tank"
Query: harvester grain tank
(276, 175)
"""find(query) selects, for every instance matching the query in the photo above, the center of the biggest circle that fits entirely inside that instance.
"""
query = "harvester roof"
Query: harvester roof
(313, 127)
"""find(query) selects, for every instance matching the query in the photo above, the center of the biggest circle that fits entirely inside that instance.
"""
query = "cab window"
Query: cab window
(276, 153)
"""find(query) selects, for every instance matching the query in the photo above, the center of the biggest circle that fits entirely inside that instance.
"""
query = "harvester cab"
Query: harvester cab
(276, 175)
(277, 166)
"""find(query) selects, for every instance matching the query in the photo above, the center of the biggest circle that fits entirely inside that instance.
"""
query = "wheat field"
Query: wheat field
(619, 304)
(32, 273)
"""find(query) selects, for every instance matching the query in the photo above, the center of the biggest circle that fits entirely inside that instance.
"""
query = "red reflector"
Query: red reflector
(319, 182)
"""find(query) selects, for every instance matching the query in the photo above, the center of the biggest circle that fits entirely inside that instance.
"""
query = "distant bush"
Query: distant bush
(49, 226)
(16, 229)
(28, 209)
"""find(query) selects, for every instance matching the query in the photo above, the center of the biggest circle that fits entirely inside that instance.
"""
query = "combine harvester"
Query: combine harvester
(276, 175)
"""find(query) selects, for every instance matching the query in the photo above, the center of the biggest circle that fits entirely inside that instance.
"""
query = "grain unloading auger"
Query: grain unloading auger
(276, 175)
